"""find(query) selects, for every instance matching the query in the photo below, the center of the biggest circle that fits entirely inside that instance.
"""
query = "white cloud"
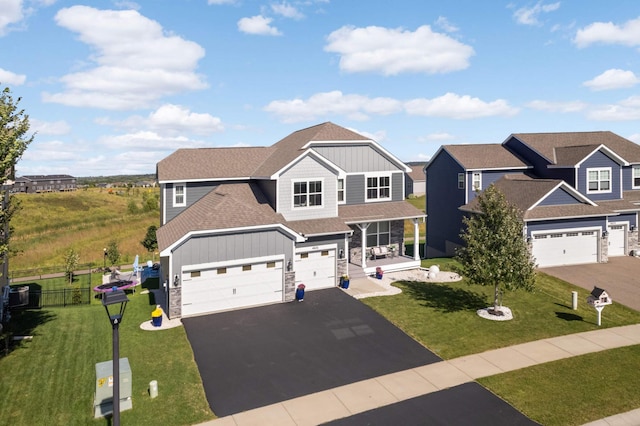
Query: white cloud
(358, 107)
(49, 127)
(625, 110)
(378, 136)
(612, 79)
(451, 105)
(530, 15)
(10, 13)
(172, 120)
(142, 140)
(627, 34)
(217, 2)
(395, 51)
(11, 78)
(572, 106)
(258, 25)
(444, 23)
(286, 10)
(355, 107)
(136, 61)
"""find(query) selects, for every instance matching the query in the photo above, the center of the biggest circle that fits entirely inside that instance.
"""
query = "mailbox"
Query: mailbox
(599, 298)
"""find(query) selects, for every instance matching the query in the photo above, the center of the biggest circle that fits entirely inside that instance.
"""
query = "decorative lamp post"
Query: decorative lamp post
(104, 260)
(114, 303)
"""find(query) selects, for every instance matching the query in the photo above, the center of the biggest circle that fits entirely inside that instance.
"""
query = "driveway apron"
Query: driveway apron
(255, 357)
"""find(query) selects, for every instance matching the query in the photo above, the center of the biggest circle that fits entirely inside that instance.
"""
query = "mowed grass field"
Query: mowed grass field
(49, 224)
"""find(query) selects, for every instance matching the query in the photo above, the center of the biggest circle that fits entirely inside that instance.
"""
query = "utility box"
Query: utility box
(103, 401)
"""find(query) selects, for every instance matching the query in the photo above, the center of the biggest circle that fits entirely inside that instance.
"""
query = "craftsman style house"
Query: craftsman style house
(246, 226)
(579, 193)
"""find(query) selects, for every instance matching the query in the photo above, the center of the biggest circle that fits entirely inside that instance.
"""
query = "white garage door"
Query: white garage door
(316, 269)
(617, 237)
(565, 248)
(234, 286)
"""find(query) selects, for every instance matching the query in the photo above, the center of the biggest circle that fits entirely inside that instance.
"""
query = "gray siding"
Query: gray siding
(549, 225)
(397, 187)
(319, 241)
(559, 197)
(220, 248)
(354, 187)
(195, 191)
(356, 159)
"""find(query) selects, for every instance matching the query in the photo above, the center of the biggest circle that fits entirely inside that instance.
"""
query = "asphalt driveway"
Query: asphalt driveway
(620, 277)
(255, 357)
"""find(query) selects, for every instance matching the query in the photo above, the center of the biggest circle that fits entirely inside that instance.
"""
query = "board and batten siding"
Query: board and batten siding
(195, 191)
(230, 247)
(356, 159)
(355, 187)
(308, 169)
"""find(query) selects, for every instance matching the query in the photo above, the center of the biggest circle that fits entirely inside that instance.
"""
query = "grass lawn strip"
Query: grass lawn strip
(573, 391)
(51, 379)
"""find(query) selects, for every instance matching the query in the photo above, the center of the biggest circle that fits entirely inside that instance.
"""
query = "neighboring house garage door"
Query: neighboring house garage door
(617, 237)
(565, 248)
(316, 269)
(230, 286)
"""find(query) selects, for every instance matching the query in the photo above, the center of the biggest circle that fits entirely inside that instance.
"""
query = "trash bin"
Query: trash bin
(300, 293)
(379, 272)
(344, 281)
(156, 317)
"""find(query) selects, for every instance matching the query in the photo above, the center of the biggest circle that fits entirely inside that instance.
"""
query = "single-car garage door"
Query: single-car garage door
(232, 286)
(316, 269)
(565, 248)
(617, 239)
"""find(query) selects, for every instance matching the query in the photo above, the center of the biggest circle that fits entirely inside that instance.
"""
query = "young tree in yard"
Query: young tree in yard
(71, 259)
(496, 252)
(113, 253)
(150, 241)
(14, 125)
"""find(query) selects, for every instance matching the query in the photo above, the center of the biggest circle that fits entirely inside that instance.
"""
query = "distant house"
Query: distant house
(415, 180)
(45, 183)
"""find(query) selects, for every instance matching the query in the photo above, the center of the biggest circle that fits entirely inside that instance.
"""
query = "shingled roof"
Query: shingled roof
(485, 156)
(553, 146)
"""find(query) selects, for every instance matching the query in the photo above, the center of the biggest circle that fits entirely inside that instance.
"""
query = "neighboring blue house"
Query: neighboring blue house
(245, 226)
(579, 193)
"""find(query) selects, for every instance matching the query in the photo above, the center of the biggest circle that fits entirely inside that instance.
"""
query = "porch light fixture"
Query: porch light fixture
(114, 303)
(289, 265)
(605, 234)
(176, 281)
(341, 253)
(633, 228)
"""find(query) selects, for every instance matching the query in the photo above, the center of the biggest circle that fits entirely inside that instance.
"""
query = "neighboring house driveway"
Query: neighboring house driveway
(260, 356)
(620, 277)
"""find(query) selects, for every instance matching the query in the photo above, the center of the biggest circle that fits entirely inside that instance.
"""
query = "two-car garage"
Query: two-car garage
(208, 288)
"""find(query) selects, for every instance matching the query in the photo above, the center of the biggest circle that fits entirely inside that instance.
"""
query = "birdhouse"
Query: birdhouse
(599, 297)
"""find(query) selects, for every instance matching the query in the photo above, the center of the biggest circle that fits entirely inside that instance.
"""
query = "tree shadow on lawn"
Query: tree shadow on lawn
(23, 323)
(444, 298)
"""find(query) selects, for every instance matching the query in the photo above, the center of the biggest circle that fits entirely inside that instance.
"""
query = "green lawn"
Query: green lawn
(51, 379)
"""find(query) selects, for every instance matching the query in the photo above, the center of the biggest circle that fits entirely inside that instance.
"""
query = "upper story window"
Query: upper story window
(460, 180)
(636, 177)
(179, 195)
(307, 193)
(378, 188)
(341, 199)
(477, 181)
(599, 180)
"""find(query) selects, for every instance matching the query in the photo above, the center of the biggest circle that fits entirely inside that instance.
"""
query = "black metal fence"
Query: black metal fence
(60, 297)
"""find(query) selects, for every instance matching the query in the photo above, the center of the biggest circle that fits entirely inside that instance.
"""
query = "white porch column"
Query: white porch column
(363, 232)
(416, 240)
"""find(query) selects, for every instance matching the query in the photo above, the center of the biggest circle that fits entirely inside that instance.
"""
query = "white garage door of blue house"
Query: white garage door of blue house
(617, 239)
(241, 284)
(316, 269)
(565, 248)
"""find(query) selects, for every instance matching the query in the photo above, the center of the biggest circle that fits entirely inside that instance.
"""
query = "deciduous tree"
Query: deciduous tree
(495, 251)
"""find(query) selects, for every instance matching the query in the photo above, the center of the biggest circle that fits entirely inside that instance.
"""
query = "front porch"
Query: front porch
(388, 264)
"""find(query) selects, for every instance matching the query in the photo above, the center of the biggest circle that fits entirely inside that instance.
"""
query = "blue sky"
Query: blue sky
(112, 87)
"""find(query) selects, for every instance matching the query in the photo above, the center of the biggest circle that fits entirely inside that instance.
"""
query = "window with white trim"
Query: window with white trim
(179, 195)
(378, 234)
(307, 193)
(460, 180)
(341, 199)
(635, 179)
(378, 188)
(599, 180)
(477, 181)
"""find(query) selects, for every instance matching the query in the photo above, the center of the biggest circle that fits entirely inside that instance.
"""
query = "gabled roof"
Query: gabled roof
(483, 157)
(211, 163)
(417, 170)
(571, 147)
(292, 146)
(525, 193)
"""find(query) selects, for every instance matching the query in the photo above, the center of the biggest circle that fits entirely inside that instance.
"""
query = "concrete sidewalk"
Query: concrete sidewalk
(370, 394)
